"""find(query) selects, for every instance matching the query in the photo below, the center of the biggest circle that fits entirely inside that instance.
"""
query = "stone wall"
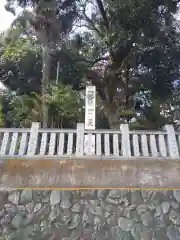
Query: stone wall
(86, 215)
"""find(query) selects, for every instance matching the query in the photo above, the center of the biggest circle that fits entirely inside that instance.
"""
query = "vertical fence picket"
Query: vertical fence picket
(98, 144)
(4, 143)
(179, 142)
(80, 139)
(23, 144)
(43, 144)
(89, 144)
(13, 144)
(115, 145)
(144, 145)
(171, 142)
(33, 139)
(126, 149)
(136, 145)
(61, 144)
(106, 145)
(162, 146)
(153, 146)
(70, 144)
(52, 144)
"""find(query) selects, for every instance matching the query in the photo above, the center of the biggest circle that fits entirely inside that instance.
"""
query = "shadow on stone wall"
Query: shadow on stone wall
(86, 215)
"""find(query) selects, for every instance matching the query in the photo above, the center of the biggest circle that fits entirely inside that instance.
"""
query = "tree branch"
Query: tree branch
(92, 25)
(95, 61)
(122, 50)
(96, 80)
(100, 59)
(103, 13)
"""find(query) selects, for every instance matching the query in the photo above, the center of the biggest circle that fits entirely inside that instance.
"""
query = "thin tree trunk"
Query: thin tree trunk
(61, 121)
(127, 90)
(57, 74)
(44, 81)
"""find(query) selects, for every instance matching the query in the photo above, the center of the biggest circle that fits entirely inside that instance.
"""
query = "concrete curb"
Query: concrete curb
(89, 174)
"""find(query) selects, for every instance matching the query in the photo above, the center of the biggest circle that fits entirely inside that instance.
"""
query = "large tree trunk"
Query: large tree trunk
(44, 81)
(112, 117)
(113, 120)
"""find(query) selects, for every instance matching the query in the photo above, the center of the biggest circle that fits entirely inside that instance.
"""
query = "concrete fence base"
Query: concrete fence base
(89, 174)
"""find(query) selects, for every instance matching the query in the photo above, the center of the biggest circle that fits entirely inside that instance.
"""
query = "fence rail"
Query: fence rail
(38, 142)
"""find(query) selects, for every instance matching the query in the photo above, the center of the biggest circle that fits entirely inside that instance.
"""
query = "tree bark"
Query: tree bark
(112, 117)
(44, 81)
(127, 86)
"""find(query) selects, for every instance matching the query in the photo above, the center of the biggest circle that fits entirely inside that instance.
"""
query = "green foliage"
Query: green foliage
(63, 103)
(71, 70)
(128, 113)
(140, 57)
(20, 65)
(65, 106)
(21, 110)
(151, 117)
(116, 52)
(23, 47)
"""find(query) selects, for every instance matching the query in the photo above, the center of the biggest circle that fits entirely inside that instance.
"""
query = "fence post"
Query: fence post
(125, 140)
(33, 139)
(171, 141)
(80, 139)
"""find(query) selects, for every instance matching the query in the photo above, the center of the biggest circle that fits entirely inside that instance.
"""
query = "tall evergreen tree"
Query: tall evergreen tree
(50, 22)
(136, 45)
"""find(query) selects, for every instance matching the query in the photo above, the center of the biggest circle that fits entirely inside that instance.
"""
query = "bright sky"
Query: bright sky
(6, 18)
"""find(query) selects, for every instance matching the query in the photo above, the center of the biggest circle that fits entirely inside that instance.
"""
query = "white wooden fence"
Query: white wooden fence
(37, 143)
